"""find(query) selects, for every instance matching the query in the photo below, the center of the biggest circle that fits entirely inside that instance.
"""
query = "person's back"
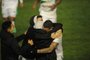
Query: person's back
(41, 40)
(8, 3)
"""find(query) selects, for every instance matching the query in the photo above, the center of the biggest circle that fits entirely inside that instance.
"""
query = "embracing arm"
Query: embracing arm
(57, 2)
(49, 49)
(54, 44)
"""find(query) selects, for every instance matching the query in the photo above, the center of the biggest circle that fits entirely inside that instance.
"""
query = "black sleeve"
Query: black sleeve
(20, 38)
(30, 33)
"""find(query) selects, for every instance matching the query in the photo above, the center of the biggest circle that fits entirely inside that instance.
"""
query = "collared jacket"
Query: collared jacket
(9, 46)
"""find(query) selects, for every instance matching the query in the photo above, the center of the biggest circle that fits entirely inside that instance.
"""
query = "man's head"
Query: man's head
(38, 22)
(47, 25)
(8, 26)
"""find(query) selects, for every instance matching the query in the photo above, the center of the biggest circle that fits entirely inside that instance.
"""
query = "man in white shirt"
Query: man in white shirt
(59, 48)
(9, 9)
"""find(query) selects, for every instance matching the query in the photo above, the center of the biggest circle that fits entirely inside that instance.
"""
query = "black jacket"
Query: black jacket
(41, 39)
(9, 46)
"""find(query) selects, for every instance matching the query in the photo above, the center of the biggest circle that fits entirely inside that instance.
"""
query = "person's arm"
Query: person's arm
(49, 49)
(36, 2)
(56, 4)
(0, 2)
(46, 50)
(20, 38)
(56, 34)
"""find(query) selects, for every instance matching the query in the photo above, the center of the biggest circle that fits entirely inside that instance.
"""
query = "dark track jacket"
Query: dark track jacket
(9, 46)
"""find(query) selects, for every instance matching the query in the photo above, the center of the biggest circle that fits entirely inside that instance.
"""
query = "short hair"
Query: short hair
(57, 26)
(6, 25)
(48, 24)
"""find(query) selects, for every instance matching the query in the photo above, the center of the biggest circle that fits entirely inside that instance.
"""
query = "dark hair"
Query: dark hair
(48, 24)
(6, 25)
(39, 16)
(57, 26)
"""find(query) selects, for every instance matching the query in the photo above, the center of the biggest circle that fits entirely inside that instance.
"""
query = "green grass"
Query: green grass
(75, 16)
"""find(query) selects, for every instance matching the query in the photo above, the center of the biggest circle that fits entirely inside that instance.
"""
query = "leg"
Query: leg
(12, 14)
(5, 14)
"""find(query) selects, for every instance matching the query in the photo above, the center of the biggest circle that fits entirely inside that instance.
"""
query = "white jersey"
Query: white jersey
(45, 9)
(9, 7)
(59, 48)
(9, 3)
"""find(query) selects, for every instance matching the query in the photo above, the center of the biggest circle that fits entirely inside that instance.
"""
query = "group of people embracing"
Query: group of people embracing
(42, 41)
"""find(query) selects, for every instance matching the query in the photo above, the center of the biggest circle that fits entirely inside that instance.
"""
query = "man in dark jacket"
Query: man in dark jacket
(42, 39)
(9, 44)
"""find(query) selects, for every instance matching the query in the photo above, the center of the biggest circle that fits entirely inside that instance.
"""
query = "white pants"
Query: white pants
(48, 15)
(54, 20)
(59, 48)
(9, 10)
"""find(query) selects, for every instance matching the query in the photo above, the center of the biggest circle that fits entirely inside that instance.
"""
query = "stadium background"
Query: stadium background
(75, 16)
